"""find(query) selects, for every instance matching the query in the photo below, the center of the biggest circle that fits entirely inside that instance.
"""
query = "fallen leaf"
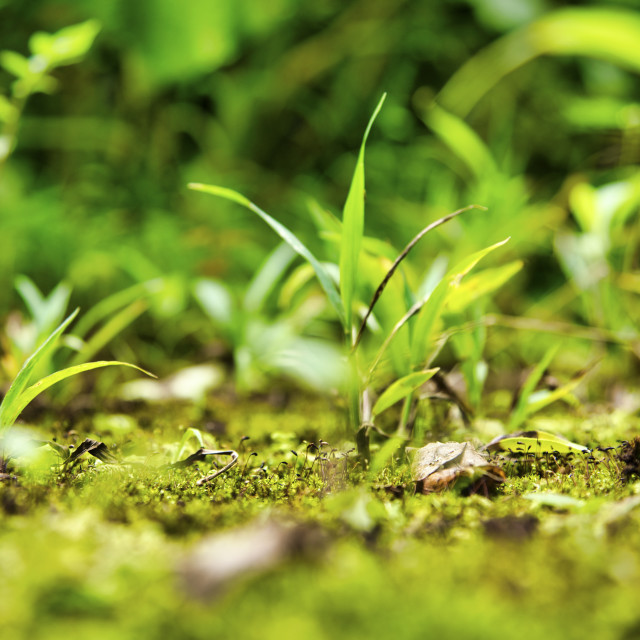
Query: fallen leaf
(535, 442)
(441, 465)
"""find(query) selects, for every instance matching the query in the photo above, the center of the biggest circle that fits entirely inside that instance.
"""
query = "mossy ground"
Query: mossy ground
(99, 551)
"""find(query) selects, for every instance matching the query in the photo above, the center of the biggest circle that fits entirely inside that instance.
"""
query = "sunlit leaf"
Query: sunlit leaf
(401, 389)
(535, 442)
(27, 395)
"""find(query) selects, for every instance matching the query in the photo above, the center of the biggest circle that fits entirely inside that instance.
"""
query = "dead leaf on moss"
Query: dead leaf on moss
(443, 465)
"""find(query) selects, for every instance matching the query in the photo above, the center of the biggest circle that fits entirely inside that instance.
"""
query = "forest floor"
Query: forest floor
(298, 541)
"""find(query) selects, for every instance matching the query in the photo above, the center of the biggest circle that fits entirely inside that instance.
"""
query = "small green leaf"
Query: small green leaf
(323, 276)
(15, 63)
(401, 389)
(67, 45)
(535, 442)
(557, 500)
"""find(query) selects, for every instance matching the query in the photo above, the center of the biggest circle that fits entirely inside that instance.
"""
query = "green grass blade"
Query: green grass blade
(23, 379)
(27, 395)
(535, 376)
(574, 31)
(325, 279)
(481, 284)
(353, 228)
(555, 394)
(401, 389)
(110, 329)
(267, 276)
(109, 305)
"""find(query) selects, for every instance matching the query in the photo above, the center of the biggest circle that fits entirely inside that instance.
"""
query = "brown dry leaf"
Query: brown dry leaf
(441, 465)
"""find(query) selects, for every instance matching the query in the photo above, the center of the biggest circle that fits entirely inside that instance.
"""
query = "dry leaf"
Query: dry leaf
(441, 465)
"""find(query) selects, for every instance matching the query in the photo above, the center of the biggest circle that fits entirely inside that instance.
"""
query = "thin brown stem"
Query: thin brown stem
(403, 254)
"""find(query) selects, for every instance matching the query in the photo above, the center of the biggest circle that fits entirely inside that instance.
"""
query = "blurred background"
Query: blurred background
(530, 108)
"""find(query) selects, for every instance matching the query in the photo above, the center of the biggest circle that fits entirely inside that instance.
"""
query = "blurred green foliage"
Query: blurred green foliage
(270, 99)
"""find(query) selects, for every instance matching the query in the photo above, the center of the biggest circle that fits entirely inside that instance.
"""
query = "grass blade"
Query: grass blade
(353, 228)
(23, 379)
(403, 254)
(401, 389)
(110, 329)
(534, 377)
(323, 276)
(27, 395)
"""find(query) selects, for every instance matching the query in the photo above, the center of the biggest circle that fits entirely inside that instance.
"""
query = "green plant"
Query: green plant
(264, 343)
(33, 74)
(25, 388)
(424, 336)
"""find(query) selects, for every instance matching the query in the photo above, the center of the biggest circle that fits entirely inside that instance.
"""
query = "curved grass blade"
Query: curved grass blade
(403, 254)
(401, 389)
(575, 31)
(23, 379)
(27, 395)
(323, 276)
(353, 228)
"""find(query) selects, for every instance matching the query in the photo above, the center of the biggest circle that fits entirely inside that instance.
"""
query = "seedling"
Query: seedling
(345, 299)
(24, 389)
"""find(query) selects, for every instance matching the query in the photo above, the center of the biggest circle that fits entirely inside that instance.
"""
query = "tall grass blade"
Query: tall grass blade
(353, 228)
(109, 330)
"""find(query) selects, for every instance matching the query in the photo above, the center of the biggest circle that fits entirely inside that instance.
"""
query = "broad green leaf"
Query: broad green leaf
(608, 34)
(401, 389)
(27, 395)
(384, 455)
(535, 376)
(427, 322)
(536, 442)
(66, 46)
(353, 228)
(23, 379)
(15, 63)
(480, 284)
(216, 300)
(323, 276)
